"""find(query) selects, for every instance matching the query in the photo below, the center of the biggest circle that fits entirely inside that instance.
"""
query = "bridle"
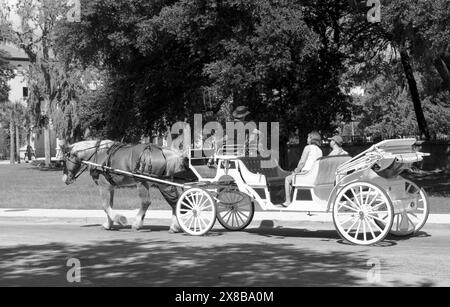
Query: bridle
(78, 161)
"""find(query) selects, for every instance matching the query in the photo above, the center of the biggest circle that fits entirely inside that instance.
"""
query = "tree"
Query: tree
(53, 83)
(161, 56)
(6, 73)
(414, 35)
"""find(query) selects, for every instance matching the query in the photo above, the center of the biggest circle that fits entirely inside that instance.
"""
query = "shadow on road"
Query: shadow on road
(160, 263)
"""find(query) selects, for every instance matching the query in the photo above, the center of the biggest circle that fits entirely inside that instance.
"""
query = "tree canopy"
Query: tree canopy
(161, 57)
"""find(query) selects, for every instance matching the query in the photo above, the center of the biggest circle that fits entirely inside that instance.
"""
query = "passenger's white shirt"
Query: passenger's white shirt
(314, 153)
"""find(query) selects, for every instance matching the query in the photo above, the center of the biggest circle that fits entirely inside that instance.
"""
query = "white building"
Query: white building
(18, 94)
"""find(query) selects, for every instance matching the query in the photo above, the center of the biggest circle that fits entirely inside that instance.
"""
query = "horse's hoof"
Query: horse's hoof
(106, 226)
(175, 230)
(137, 227)
(121, 220)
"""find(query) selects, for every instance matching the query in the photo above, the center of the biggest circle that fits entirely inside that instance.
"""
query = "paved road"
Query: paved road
(37, 253)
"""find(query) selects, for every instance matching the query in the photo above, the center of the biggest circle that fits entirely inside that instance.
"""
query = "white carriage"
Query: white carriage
(366, 194)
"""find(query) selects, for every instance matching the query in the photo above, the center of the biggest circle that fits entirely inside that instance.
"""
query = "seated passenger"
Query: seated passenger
(310, 154)
(336, 146)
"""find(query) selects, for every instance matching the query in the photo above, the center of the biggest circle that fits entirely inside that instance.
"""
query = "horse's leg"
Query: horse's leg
(170, 194)
(174, 226)
(107, 195)
(144, 195)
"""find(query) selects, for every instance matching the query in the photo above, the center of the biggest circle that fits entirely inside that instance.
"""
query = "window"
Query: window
(25, 92)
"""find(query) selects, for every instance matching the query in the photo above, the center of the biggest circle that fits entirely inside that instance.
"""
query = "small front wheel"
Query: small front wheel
(362, 213)
(196, 212)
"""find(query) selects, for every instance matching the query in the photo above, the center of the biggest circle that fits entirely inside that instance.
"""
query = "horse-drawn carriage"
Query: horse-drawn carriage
(365, 194)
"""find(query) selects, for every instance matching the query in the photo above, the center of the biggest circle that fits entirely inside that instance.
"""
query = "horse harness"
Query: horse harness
(143, 165)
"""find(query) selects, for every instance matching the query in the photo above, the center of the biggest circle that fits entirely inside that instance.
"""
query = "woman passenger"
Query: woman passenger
(310, 154)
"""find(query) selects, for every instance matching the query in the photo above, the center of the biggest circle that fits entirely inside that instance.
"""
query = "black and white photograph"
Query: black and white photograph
(224, 150)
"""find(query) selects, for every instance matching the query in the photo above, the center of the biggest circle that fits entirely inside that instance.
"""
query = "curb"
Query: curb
(90, 215)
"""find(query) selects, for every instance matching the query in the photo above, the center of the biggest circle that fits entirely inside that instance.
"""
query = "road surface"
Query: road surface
(40, 253)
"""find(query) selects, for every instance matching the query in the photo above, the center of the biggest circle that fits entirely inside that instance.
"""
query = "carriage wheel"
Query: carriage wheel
(356, 210)
(235, 209)
(196, 212)
(409, 223)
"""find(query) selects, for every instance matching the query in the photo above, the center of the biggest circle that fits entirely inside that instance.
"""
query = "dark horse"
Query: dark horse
(148, 159)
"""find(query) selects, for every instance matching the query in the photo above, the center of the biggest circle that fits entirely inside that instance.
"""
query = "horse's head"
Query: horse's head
(75, 154)
(72, 164)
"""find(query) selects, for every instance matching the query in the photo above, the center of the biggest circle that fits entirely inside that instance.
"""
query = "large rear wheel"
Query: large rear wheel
(356, 210)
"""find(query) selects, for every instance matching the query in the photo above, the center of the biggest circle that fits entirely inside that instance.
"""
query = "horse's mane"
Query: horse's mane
(91, 144)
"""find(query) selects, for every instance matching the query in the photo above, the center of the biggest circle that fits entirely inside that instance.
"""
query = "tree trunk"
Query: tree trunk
(17, 144)
(12, 147)
(47, 146)
(443, 70)
(407, 67)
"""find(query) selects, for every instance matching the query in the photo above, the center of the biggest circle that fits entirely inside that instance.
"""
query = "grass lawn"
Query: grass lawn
(26, 186)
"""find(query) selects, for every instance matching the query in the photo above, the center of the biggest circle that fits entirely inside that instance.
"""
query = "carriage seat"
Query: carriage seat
(274, 174)
(323, 172)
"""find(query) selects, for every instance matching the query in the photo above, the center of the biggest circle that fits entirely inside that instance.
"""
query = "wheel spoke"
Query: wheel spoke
(364, 230)
(353, 225)
(374, 198)
(349, 208)
(379, 212)
(378, 206)
(352, 217)
(201, 200)
(239, 216)
(202, 222)
(355, 197)
(362, 195)
(188, 199)
(370, 229)
(351, 201)
(411, 221)
(230, 215)
(409, 187)
(398, 222)
(357, 230)
(377, 218)
(240, 213)
(226, 214)
(376, 225)
(192, 221)
(187, 215)
(190, 218)
(189, 206)
(245, 204)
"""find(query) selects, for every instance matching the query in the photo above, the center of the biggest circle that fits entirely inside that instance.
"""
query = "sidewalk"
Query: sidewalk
(91, 216)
